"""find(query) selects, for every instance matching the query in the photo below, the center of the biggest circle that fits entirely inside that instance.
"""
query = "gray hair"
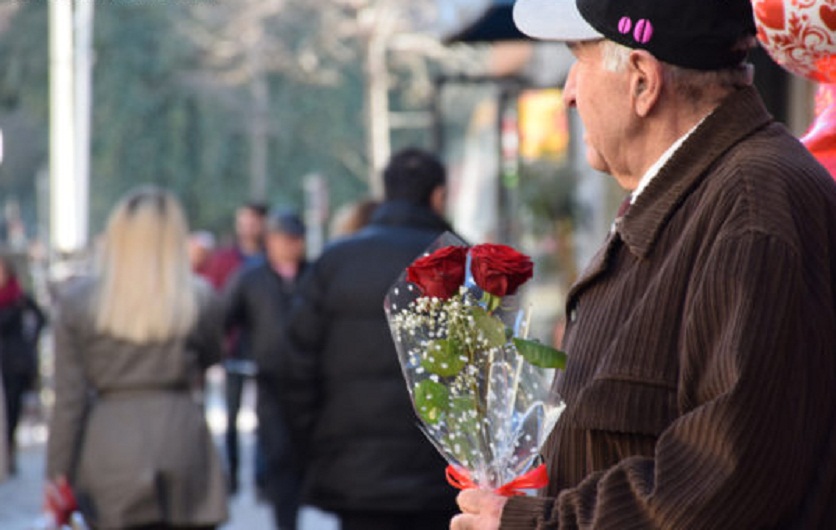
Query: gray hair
(695, 85)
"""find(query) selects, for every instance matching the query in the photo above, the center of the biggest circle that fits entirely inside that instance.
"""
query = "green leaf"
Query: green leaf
(462, 426)
(492, 329)
(539, 354)
(461, 413)
(443, 357)
(432, 400)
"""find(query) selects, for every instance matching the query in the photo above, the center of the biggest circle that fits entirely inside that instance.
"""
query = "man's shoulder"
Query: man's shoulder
(773, 160)
(254, 274)
(771, 184)
(379, 238)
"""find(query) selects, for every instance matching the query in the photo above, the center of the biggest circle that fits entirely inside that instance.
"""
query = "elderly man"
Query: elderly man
(701, 381)
(258, 300)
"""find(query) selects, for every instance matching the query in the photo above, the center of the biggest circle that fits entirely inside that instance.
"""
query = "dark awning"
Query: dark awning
(495, 24)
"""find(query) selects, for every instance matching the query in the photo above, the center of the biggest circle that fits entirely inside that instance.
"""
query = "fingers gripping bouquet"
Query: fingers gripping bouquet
(481, 389)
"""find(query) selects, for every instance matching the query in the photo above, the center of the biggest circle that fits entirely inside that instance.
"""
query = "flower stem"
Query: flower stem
(481, 408)
(492, 302)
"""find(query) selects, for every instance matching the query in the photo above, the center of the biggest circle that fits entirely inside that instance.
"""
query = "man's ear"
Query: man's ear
(438, 200)
(646, 79)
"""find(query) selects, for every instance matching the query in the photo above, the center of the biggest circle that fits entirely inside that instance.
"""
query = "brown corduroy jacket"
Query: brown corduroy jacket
(701, 382)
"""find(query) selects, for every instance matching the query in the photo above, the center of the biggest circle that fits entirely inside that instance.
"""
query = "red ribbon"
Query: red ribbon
(534, 479)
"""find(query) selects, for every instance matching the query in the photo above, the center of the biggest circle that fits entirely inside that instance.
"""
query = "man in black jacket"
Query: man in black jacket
(258, 302)
(365, 458)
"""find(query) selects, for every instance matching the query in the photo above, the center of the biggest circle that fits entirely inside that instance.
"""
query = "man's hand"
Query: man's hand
(481, 510)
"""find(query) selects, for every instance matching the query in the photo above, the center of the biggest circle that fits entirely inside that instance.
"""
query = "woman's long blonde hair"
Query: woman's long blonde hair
(145, 289)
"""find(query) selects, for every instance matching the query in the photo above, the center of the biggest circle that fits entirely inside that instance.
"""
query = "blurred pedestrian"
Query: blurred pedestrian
(201, 244)
(126, 431)
(258, 302)
(246, 251)
(201, 247)
(21, 322)
(352, 217)
(364, 456)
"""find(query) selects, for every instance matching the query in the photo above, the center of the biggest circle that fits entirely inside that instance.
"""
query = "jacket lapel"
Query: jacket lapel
(597, 266)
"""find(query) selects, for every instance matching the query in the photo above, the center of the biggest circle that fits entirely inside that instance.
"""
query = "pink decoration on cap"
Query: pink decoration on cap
(625, 25)
(643, 32)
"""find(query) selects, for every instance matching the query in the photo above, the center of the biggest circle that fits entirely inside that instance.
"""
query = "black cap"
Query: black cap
(697, 34)
(286, 222)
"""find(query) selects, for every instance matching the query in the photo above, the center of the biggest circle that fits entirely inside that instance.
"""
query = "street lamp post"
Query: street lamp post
(70, 69)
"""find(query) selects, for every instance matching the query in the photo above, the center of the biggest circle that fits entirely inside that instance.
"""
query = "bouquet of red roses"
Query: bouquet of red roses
(480, 387)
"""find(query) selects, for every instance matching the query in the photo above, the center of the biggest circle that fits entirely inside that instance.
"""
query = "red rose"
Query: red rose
(499, 269)
(441, 273)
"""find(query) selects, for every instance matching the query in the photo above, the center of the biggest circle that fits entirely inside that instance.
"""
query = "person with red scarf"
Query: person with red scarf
(21, 321)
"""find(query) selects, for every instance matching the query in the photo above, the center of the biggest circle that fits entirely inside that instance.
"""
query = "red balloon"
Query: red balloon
(800, 35)
(820, 139)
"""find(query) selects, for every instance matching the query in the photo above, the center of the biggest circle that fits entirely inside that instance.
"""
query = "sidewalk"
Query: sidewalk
(246, 513)
(21, 498)
(21, 495)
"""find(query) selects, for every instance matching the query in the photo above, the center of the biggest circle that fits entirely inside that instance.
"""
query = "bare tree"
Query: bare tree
(245, 41)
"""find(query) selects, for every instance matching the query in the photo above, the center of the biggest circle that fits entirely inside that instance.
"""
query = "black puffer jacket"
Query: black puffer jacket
(20, 326)
(346, 399)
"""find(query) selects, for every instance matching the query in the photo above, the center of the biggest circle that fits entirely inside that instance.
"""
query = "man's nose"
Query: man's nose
(569, 88)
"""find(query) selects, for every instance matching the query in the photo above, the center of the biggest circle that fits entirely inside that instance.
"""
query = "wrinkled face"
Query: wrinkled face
(603, 102)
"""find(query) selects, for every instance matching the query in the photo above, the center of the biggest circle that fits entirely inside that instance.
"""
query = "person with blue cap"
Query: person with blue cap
(701, 376)
(257, 301)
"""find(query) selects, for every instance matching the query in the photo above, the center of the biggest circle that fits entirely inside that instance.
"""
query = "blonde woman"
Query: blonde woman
(125, 430)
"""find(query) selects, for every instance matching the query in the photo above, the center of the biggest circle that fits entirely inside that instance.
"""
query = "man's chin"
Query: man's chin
(595, 161)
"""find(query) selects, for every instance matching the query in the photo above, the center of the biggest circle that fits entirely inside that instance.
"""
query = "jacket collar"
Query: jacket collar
(402, 213)
(738, 116)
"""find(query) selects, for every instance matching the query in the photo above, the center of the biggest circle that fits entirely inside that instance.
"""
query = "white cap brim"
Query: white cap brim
(557, 20)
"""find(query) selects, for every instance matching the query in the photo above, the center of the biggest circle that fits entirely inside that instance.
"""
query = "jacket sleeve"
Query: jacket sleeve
(8, 315)
(755, 367)
(71, 398)
(207, 337)
(299, 388)
(234, 302)
(39, 318)
(37, 312)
